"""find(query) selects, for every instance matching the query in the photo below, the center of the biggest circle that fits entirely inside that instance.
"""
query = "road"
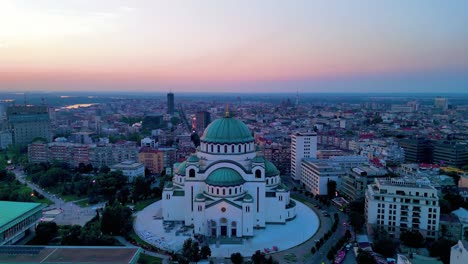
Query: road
(72, 214)
(320, 256)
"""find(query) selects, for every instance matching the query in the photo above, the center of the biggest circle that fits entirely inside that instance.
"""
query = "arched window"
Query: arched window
(232, 149)
(219, 148)
(192, 173)
(217, 191)
(224, 191)
(225, 149)
(230, 191)
(258, 174)
(211, 147)
(239, 148)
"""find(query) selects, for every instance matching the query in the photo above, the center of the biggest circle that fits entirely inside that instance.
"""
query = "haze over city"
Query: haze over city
(234, 46)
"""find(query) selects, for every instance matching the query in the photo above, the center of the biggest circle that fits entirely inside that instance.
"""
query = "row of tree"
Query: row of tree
(104, 184)
(13, 190)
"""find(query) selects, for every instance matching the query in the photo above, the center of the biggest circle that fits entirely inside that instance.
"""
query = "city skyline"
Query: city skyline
(234, 46)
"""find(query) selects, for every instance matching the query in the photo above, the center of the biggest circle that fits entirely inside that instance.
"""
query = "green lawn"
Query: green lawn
(142, 204)
(147, 259)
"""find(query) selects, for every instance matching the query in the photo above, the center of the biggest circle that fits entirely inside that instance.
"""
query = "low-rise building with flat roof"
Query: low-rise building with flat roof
(130, 169)
(17, 220)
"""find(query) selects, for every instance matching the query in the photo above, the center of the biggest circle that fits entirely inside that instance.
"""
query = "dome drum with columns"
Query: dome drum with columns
(226, 188)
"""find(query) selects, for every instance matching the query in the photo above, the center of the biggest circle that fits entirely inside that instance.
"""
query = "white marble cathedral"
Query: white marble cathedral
(226, 189)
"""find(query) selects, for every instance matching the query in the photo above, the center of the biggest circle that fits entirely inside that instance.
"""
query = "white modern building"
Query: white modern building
(303, 145)
(402, 204)
(317, 173)
(148, 142)
(226, 189)
(459, 253)
(131, 169)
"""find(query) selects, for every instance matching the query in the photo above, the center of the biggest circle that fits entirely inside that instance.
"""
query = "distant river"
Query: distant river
(75, 106)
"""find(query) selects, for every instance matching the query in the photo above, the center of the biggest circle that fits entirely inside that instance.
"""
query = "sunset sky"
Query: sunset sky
(234, 45)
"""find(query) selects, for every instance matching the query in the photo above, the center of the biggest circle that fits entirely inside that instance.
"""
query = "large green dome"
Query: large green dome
(227, 130)
(224, 177)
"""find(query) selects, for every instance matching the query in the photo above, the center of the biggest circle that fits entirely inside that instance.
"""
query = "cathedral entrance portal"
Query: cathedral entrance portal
(223, 224)
(223, 230)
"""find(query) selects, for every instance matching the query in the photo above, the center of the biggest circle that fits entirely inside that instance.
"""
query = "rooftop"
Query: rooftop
(9, 211)
(68, 254)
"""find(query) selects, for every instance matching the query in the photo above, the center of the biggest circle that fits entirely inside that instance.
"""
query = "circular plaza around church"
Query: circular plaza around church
(150, 226)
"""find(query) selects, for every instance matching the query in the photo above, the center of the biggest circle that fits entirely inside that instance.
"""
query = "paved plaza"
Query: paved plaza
(149, 226)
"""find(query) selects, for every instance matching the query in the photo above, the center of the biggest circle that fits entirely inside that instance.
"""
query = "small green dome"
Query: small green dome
(247, 198)
(227, 130)
(200, 197)
(270, 169)
(258, 159)
(193, 158)
(224, 177)
(181, 169)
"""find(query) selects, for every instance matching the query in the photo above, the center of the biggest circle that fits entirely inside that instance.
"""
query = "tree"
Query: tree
(195, 139)
(412, 238)
(441, 248)
(364, 257)
(104, 169)
(384, 245)
(116, 219)
(205, 252)
(191, 250)
(45, 231)
(357, 206)
(331, 188)
(356, 220)
(236, 258)
(141, 188)
(71, 235)
(258, 257)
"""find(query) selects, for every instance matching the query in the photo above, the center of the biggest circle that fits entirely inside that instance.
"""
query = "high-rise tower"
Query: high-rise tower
(303, 145)
(203, 119)
(170, 103)
(28, 123)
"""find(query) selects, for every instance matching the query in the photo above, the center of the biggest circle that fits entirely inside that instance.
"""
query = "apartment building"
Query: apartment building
(317, 173)
(354, 183)
(400, 204)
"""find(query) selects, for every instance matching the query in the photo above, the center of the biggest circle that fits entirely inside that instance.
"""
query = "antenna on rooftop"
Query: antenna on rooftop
(227, 110)
(297, 97)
